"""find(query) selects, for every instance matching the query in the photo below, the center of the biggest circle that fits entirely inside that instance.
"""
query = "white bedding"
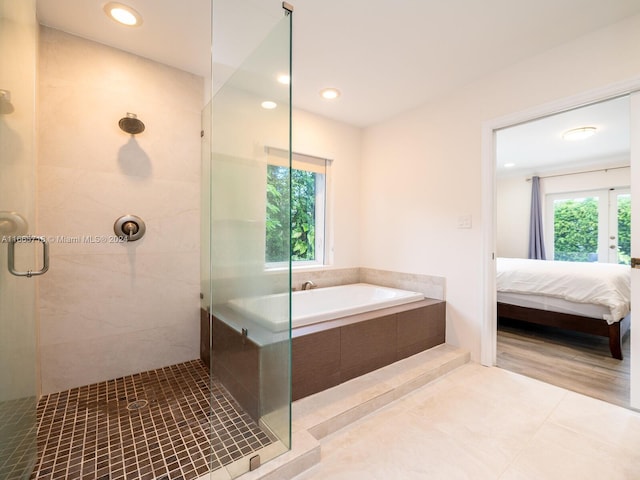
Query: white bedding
(604, 284)
(553, 304)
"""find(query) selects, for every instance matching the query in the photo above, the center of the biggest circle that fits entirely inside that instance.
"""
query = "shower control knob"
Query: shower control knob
(130, 227)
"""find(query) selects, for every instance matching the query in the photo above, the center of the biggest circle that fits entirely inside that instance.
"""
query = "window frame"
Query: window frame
(604, 218)
(321, 166)
(614, 193)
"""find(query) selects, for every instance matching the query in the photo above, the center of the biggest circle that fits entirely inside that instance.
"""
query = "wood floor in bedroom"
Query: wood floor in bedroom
(574, 361)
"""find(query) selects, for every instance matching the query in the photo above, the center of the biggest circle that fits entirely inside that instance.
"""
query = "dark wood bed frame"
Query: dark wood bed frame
(595, 326)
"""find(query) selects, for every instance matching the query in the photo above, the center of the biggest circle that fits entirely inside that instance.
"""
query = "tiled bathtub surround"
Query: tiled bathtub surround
(326, 277)
(334, 352)
(431, 286)
(96, 431)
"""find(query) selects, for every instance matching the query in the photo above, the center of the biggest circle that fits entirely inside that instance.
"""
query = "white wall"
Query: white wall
(422, 170)
(579, 182)
(110, 309)
(342, 143)
(513, 203)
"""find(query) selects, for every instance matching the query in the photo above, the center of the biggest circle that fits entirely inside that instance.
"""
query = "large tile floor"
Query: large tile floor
(486, 423)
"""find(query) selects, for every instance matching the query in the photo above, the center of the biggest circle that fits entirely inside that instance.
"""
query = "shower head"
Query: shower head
(131, 124)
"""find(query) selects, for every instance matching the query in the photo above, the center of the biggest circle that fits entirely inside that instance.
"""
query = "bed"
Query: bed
(590, 298)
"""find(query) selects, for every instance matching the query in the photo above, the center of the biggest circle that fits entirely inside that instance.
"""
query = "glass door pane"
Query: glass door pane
(576, 228)
(592, 226)
(620, 226)
(246, 304)
(18, 385)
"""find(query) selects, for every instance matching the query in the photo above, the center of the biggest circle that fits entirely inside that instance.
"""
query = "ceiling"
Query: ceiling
(538, 146)
(385, 56)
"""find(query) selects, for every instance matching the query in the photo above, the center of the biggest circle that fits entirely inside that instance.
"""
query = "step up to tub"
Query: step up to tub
(327, 411)
(323, 413)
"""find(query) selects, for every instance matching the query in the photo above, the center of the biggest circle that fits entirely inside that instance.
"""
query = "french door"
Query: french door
(589, 226)
(619, 240)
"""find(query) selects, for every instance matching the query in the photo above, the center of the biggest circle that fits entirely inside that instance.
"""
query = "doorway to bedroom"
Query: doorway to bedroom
(556, 329)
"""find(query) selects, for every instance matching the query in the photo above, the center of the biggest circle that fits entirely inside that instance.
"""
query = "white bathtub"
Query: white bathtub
(320, 304)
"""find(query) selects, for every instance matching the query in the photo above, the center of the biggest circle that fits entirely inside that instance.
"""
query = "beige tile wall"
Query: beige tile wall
(432, 286)
(109, 309)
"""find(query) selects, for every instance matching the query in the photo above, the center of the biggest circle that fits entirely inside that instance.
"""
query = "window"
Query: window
(590, 226)
(306, 243)
(620, 207)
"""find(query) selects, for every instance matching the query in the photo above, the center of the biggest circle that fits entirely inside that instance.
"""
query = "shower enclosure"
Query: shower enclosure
(18, 354)
(250, 113)
(110, 367)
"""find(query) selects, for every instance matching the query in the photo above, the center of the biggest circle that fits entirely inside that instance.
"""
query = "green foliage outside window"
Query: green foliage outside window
(624, 229)
(301, 243)
(576, 230)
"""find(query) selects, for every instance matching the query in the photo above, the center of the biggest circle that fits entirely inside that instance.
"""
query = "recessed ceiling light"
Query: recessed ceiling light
(268, 105)
(330, 93)
(509, 165)
(284, 79)
(579, 133)
(123, 14)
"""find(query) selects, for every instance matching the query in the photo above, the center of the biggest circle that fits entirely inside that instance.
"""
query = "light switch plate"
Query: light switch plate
(464, 221)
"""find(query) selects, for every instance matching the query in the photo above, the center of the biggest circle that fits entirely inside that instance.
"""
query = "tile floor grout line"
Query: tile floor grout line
(546, 419)
(589, 435)
(180, 394)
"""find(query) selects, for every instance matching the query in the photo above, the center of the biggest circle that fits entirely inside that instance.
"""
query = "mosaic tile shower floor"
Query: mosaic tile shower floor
(151, 425)
(17, 429)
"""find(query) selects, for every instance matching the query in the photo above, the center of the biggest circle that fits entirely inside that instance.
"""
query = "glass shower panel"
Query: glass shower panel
(18, 385)
(248, 331)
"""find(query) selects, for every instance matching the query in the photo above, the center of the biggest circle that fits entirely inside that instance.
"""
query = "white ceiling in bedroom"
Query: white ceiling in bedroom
(537, 147)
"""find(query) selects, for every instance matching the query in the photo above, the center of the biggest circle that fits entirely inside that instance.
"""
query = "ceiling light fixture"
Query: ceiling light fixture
(330, 93)
(284, 79)
(268, 105)
(509, 165)
(123, 14)
(578, 133)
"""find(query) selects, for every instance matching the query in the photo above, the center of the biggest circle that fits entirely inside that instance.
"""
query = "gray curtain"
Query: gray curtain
(536, 236)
